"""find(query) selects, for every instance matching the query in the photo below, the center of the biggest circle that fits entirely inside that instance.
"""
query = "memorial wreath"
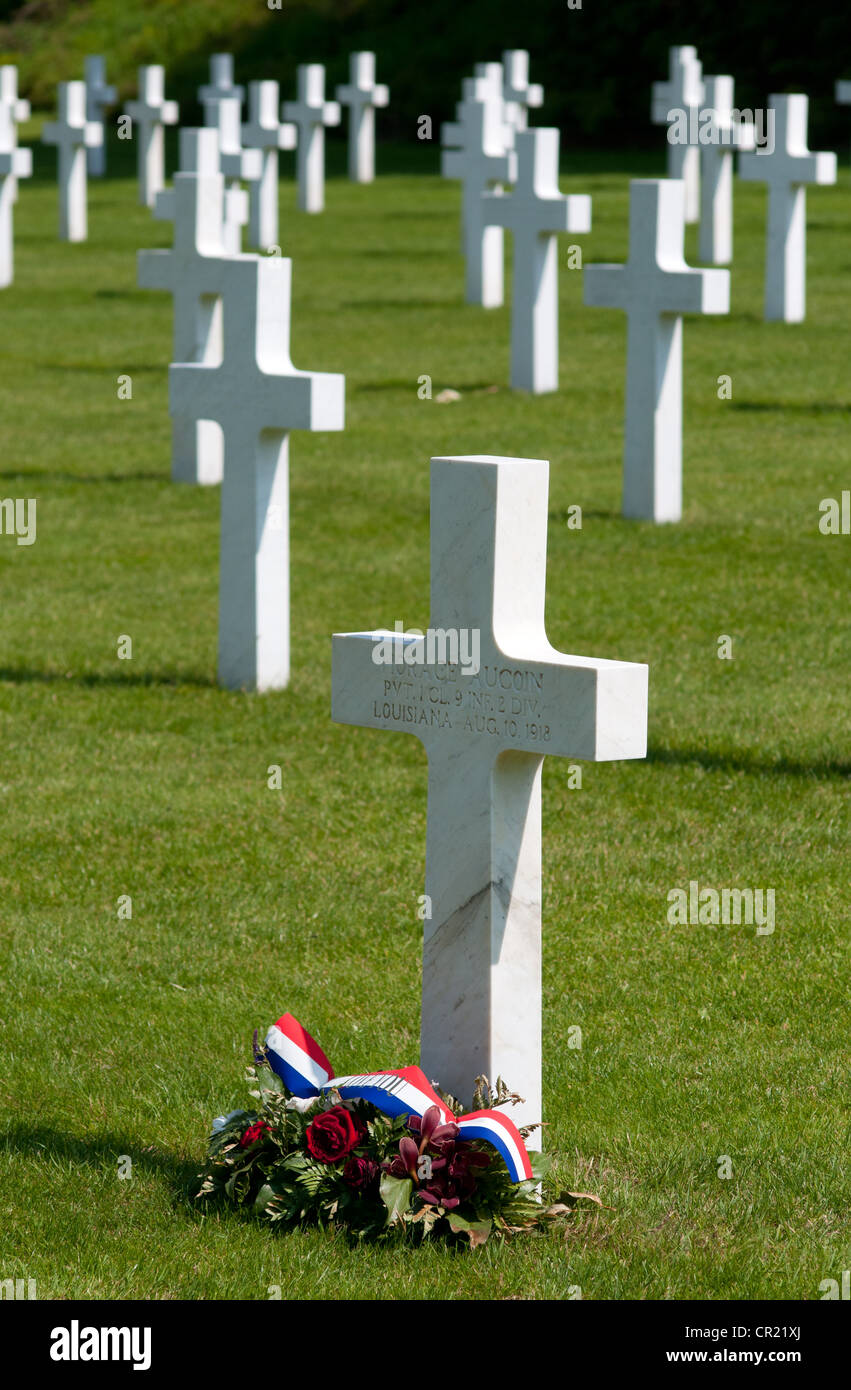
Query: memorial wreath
(378, 1153)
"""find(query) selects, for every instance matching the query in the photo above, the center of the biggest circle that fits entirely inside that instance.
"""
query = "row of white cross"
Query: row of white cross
(487, 149)
(234, 397)
(248, 151)
(486, 732)
(702, 136)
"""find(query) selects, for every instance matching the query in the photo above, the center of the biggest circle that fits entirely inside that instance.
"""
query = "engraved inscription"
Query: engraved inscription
(506, 702)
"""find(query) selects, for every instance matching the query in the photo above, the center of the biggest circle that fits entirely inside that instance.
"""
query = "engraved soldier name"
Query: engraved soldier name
(504, 701)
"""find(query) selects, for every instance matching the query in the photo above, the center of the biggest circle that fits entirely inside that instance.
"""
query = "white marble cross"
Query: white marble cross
(679, 97)
(535, 212)
(518, 92)
(787, 170)
(99, 97)
(486, 733)
(149, 114)
(265, 132)
(362, 95)
(73, 134)
(221, 85)
(311, 113)
(481, 161)
(19, 109)
(257, 396)
(236, 163)
(192, 272)
(655, 288)
(493, 76)
(192, 151)
(724, 135)
(15, 163)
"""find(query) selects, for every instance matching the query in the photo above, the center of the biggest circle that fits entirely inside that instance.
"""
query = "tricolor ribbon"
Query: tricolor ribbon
(301, 1064)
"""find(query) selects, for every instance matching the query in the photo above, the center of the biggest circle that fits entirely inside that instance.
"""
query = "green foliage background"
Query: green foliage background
(596, 63)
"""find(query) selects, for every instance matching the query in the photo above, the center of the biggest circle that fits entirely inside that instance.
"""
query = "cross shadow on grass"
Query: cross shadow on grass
(404, 384)
(561, 518)
(793, 407)
(99, 368)
(93, 680)
(140, 295)
(97, 478)
(102, 1151)
(750, 761)
(435, 253)
(448, 303)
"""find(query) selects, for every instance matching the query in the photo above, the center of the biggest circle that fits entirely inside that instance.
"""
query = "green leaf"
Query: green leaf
(396, 1196)
(540, 1165)
(478, 1231)
(264, 1197)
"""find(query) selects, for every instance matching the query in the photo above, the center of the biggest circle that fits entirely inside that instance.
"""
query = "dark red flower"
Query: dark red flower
(404, 1164)
(432, 1132)
(334, 1133)
(253, 1133)
(360, 1172)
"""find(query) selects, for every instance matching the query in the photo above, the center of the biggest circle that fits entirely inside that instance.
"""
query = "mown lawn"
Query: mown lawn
(141, 777)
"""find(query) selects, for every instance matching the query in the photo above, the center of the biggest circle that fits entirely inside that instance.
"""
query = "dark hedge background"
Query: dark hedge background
(596, 63)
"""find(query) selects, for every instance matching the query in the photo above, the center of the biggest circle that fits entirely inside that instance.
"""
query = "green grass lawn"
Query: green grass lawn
(141, 777)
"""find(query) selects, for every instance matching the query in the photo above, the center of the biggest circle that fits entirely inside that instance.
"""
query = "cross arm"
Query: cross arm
(287, 136)
(372, 692)
(242, 164)
(564, 213)
(605, 285)
(308, 400)
(584, 708)
(154, 270)
(261, 401)
(694, 291)
(164, 205)
(17, 161)
(212, 92)
(823, 168)
(571, 706)
(818, 168)
(281, 137)
(492, 168)
(352, 95)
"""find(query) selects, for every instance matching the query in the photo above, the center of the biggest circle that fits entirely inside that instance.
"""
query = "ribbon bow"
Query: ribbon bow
(301, 1064)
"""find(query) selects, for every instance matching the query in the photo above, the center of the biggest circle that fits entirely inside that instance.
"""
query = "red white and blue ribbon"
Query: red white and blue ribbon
(304, 1069)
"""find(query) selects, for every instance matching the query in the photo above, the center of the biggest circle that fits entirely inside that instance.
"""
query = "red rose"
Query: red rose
(360, 1172)
(252, 1134)
(334, 1134)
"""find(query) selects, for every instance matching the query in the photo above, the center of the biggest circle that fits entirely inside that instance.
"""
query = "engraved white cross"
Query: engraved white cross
(486, 735)
(257, 396)
(99, 97)
(655, 288)
(149, 114)
(73, 134)
(787, 170)
(362, 95)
